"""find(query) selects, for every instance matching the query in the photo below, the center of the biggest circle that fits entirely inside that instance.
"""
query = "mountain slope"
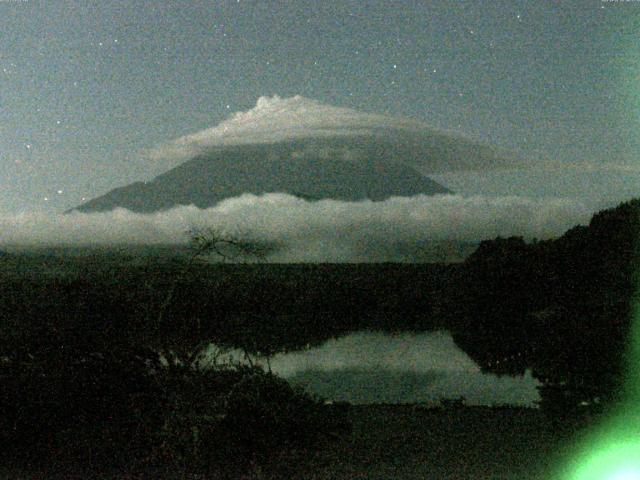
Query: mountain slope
(311, 169)
(304, 148)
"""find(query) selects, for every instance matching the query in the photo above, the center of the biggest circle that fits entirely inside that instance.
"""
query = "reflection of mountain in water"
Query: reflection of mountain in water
(369, 386)
(368, 367)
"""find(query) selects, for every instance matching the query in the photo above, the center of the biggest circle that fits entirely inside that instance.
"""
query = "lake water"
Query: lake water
(371, 367)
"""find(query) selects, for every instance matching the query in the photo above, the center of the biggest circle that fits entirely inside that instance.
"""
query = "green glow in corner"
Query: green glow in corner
(611, 451)
(616, 461)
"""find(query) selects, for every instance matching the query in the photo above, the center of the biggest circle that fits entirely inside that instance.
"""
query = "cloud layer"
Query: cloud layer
(325, 230)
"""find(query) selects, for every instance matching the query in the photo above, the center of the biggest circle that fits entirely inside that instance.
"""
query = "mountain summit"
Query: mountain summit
(301, 147)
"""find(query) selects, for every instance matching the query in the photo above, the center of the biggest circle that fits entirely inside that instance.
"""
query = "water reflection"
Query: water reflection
(372, 367)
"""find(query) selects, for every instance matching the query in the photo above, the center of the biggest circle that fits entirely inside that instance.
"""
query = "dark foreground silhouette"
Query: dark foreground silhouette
(99, 357)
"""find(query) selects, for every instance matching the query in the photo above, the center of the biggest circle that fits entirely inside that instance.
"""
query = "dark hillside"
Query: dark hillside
(561, 307)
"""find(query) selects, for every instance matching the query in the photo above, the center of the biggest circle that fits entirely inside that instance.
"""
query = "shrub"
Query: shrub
(127, 412)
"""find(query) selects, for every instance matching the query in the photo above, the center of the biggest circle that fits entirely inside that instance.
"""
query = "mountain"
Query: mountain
(304, 148)
(231, 171)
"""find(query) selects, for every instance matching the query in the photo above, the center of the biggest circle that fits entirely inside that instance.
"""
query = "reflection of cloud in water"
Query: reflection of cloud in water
(374, 367)
(393, 386)
(368, 386)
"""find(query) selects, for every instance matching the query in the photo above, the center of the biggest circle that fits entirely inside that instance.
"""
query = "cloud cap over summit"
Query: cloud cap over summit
(276, 119)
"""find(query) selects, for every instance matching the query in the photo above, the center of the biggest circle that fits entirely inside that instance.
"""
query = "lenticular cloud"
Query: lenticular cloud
(277, 119)
(325, 230)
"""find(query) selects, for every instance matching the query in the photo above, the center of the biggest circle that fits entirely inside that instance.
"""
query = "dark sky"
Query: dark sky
(85, 86)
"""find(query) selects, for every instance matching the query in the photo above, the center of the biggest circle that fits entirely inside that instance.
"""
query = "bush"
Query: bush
(236, 418)
(129, 413)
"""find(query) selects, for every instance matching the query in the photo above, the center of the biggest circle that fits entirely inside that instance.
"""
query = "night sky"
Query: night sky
(87, 87)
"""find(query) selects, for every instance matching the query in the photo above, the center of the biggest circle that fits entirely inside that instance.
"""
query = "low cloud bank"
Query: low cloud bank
(367, 367)
(326, 230)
